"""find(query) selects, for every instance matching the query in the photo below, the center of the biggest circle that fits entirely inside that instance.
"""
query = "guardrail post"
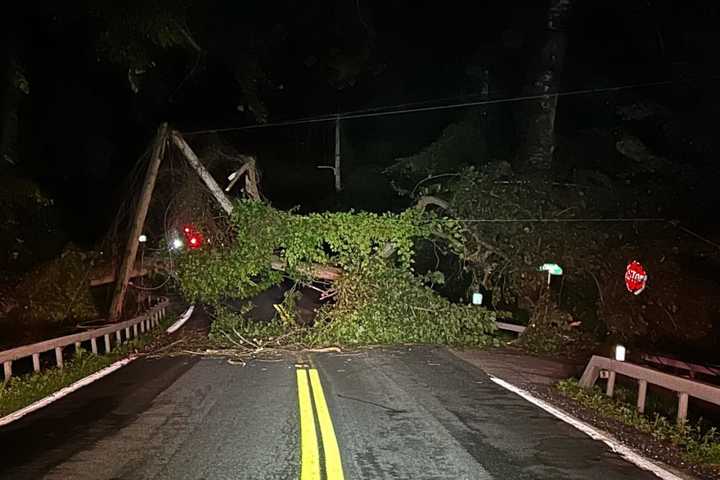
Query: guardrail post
(135, 330)
(118, 337)
(36, 362)
(127, 333)
(93, 345)
(107, 342)
(642, 393)
(590, 375)
(58, 357)
(682, 408)
(610, 384)
(7, 369)
(77, 347)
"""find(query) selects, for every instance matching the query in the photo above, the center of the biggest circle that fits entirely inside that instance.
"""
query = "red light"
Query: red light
(193, 237)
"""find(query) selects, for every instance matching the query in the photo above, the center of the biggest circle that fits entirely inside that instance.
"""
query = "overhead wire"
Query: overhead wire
(392, 110)
(558, 220)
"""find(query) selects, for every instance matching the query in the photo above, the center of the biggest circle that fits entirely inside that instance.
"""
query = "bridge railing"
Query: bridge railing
(131, 328)
(684, 387)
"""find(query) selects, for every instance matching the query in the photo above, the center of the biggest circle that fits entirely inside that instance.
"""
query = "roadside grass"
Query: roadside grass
(22, 390)
(697, 442)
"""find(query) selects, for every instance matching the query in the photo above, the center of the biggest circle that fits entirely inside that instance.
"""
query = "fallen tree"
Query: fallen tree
(377, 299)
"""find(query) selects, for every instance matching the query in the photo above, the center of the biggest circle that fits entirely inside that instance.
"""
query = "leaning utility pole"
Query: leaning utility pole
(128, 261)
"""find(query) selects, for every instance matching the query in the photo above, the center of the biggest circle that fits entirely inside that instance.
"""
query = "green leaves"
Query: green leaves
(345, 239)
(379, 299)
(381, 304)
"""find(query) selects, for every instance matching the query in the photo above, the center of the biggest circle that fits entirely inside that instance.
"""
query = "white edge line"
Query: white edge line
(181, 321)
(617, 447)
(18, 414)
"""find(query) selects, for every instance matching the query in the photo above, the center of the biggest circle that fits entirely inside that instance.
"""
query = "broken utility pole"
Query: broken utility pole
(324, 272)
(209, 181)
(128, 261)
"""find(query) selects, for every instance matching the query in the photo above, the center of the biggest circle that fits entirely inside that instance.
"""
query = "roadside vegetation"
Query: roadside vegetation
(697, 442)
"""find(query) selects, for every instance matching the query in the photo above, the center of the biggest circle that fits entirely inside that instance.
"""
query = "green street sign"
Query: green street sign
(551, 268)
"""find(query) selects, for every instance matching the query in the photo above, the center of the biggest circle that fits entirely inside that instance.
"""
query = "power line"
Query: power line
(393, 110)
(559, 220)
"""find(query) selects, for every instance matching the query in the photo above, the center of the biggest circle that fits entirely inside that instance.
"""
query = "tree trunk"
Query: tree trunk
(540, 142)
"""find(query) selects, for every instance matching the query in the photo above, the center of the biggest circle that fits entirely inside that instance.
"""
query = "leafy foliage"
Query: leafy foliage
(235, 328)
(344, 239)
(384, 304)
(134, 32)
(57, 290)
(379, 298)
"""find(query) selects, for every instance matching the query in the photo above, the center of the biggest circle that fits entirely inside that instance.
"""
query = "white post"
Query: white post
(58, 357)
(642, 393)
(36, 362)
(682, 408)
(610, 384)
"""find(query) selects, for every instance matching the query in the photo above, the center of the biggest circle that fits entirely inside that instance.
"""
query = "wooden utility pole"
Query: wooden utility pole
(336, 170)
(336, 167)
(209, 181)
(128, 261)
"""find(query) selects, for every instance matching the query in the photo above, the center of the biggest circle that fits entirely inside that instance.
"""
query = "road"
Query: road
(395, 413)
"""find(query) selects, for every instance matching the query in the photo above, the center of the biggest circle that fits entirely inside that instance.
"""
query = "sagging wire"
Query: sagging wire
(558, 220)
(450, 106)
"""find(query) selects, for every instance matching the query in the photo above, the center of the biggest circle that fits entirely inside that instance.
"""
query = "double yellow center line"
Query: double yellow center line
(309, 389)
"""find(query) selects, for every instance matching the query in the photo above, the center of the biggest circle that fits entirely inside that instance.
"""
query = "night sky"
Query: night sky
(81, 127)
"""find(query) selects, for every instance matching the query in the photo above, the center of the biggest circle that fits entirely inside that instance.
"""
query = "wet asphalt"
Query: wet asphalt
(398, 413)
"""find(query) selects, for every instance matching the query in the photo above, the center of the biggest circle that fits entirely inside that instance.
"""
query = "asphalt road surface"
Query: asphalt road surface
(402, 413)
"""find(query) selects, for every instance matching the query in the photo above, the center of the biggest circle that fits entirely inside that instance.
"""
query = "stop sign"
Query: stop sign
(635, 277)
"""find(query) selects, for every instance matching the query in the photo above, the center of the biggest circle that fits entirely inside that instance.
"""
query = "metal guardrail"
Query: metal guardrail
(510, 327)
(684, 387)
(692, 368)
(132, 328)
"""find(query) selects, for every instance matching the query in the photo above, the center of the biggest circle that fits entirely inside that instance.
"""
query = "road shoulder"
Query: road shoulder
(538, 375)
